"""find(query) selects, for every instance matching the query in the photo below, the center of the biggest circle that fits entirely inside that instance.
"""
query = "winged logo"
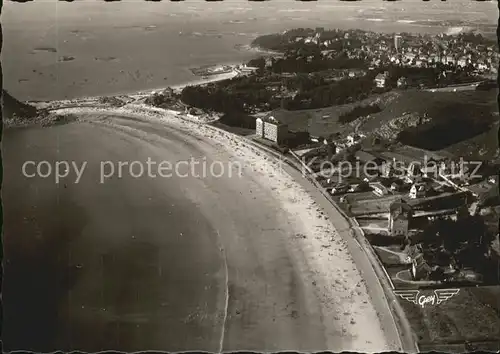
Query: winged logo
(409, 295)
(439, 296)
(445, 294)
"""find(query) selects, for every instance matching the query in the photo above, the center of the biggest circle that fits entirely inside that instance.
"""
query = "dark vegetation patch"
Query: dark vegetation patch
(111, 100)
(359, 111)
(460, 121)
(432, 104)
(240, 120)
(12, 108)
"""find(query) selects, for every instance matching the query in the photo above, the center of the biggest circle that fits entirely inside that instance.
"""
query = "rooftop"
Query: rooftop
(277, 116)
(399, 207)
(365, 156)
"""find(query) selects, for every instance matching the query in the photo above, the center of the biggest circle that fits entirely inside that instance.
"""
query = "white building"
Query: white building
(380, 79)
(272, 127)
(400, 215)
(418, 190)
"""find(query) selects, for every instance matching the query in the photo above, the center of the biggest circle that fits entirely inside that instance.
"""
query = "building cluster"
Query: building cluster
(408, 194)
(389, 173)
(407, 49)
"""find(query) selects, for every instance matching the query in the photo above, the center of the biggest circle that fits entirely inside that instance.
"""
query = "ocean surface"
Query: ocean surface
(56, 50)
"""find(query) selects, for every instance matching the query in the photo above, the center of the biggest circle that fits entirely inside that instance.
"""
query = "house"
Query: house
(380, 79)
(414, 170)
(387, 169)
(366, 157)
(168, 92)
(354, 139)
(418, 190)
(400, 215)
(331, 148)
(420, 269)
(397, 185)
(462, 62)
(259, 127)
(430, 168)
(379, 190)
(272, 127)
(402, 82)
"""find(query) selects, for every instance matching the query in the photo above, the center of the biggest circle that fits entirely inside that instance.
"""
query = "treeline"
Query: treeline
(286, 41)
(337, 93)
(359, 111)
(430, 76)
(281, 41)
(237, 95)
(305, 65)
(248, 94)
(308, 61)
(464, 241)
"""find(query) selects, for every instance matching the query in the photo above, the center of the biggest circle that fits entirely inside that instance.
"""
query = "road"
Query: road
(142, 263)
(455, 88)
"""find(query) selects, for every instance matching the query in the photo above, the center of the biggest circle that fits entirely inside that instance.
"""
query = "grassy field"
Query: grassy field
(324, 121)
(436, 105)
(365, 203)
(474, 105)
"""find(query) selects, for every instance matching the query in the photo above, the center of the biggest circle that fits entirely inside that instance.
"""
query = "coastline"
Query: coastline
(258, 50)
(320, 251)
(178, 87)
(138, 94)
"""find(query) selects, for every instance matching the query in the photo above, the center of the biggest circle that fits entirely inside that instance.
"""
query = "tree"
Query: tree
(258, 63)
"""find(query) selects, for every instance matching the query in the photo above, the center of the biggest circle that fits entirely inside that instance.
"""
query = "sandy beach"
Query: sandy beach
(311, 238)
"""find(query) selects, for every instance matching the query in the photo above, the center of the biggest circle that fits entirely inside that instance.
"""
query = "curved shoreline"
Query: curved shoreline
(345, 293)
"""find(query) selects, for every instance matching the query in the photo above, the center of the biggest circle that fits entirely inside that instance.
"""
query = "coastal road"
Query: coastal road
(455, 88)
(147, 263)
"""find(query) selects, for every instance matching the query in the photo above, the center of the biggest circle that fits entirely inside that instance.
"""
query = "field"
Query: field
(324, 121)
(436, 105)
(472, 315)
(405, 108)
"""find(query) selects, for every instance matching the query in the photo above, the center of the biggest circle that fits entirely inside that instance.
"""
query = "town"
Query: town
(346, 108)
(393, 174)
